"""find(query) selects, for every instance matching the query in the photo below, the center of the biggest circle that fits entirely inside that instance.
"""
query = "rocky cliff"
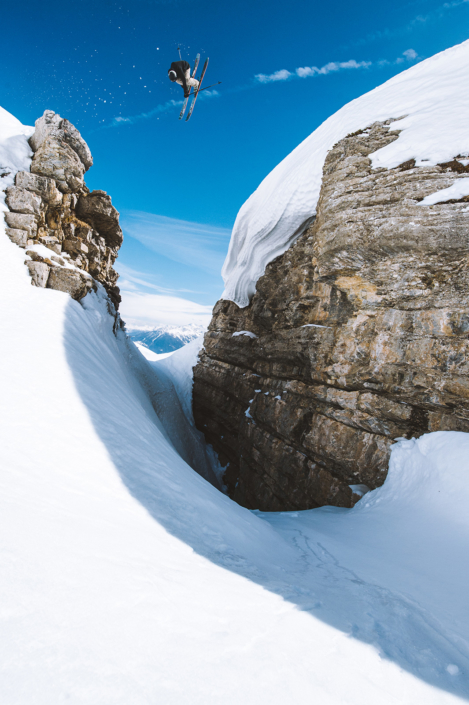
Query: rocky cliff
(71, 236)
(356, 336)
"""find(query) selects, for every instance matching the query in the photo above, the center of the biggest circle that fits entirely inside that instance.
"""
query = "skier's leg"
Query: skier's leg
(191, 82)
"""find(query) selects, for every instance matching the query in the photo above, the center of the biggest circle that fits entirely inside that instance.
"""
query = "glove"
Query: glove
(187, 94)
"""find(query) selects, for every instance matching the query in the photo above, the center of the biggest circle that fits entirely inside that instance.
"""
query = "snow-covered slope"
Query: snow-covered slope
(15, 153)
(127, 578)
(164, 339)
(432, 98)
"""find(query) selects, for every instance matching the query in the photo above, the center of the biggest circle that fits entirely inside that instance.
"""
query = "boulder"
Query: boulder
(58, 161)
(77, 143)
(71, 281)
(96, 209)
(63, 187)
(36, 257)
(22, 221)
(44, 187)
(74, 246)
(19, 237)
(58, 260)
(39, 272)
(74, 228)
(21, 200)
(51, 125)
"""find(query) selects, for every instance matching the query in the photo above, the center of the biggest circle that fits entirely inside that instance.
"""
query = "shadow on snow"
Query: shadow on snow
(298, 569)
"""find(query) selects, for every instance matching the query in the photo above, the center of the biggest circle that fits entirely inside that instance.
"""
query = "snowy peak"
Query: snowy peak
(165, 339)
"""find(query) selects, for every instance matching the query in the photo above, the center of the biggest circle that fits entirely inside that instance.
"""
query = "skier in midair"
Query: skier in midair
(180, 72)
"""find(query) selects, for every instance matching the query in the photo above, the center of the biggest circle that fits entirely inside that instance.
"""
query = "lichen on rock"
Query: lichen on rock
(361, 337)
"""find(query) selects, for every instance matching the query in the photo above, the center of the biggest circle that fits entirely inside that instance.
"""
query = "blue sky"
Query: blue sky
(284, 67)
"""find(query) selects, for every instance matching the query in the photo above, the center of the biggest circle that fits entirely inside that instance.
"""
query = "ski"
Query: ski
(206, 88)
(198, 90)
(186, 100)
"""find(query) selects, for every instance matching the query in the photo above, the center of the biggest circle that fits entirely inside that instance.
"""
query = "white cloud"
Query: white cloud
(140, 310)
(352, 64)
(409, 54)
(282, 75)
(120, 120)
(132, 280)
(332, 66)
(306, 71)
(145, 303)
(195, 244)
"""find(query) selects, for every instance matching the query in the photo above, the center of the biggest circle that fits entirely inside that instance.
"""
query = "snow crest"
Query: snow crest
(431, 99)
(15, 152)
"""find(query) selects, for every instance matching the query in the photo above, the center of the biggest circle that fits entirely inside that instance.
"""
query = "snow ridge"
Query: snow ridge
(430, 102)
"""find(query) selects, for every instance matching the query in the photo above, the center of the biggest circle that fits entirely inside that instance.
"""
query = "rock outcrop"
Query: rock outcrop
(356, 336)
(71, 236)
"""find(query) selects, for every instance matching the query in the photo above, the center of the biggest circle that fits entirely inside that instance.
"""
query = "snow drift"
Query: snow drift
(431, 98)
(128, 578)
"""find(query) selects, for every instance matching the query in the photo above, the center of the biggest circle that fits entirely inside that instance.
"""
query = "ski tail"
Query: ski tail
(196, 64)
(186, 100)
(198, 90)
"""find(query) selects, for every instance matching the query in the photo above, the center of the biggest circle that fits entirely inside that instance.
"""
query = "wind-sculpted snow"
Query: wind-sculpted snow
(432, 101)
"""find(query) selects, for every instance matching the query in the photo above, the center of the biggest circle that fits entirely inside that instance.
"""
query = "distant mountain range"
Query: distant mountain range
(165, 339)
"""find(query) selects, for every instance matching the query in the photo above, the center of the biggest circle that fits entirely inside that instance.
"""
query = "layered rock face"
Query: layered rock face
(71, 236)
(356, 336)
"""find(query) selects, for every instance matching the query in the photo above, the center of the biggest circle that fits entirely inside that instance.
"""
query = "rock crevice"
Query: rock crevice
(360, 337)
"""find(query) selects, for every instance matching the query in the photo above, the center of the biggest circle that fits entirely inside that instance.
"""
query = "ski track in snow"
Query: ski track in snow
(431, 99)
(378, 611)
(128, 578)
